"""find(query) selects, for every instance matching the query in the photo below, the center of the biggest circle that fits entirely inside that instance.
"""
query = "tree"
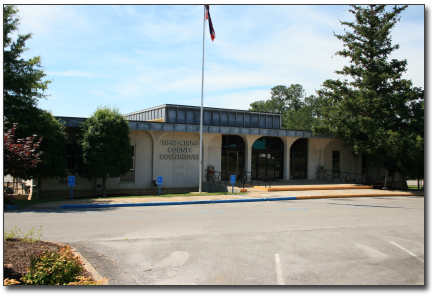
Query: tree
(53, 160)
(19, 155)
(372, 111)
(23, 79)
(104, 146)
(298, 111)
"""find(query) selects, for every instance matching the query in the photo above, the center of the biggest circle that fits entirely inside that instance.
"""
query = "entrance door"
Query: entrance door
(298, 159)
(298, 165)
(232, 163)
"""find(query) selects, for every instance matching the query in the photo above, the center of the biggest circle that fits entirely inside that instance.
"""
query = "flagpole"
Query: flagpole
(201, 115)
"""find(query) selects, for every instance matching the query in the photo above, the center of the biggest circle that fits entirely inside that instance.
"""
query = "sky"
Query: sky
(135, 57)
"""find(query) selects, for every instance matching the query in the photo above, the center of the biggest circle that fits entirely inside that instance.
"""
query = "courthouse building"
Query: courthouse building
(165, 142)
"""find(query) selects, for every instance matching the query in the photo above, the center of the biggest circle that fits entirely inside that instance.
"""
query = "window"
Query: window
(130, 176)
(336, 163)
(70, 162)
(364, 164)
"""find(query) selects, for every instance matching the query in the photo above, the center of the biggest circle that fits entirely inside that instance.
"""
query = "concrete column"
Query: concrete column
(156, 136)
(288, 141)
(249, 141)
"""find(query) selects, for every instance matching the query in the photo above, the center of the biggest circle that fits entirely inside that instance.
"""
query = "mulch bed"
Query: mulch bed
(17, 253)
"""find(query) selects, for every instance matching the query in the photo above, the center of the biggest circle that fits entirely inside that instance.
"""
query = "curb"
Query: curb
(177, 203)
(231, 200)
(85, 263)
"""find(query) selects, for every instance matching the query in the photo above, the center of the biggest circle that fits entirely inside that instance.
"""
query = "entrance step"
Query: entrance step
(313, 187)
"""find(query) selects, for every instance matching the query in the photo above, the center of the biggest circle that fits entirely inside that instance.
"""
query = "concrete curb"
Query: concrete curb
(232, 200)
(85, 263)
(176, 203)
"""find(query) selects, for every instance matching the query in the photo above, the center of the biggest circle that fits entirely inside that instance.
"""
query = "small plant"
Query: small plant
(84, 281)
(30, 237)
(53, 268)
(9, 282)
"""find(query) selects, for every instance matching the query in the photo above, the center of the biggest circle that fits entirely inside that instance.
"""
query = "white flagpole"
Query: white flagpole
(202, 113)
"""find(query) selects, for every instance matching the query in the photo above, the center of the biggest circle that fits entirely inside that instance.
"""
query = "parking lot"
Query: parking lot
(334, 241)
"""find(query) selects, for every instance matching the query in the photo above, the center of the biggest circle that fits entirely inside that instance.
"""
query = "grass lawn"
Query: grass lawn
(414, 187)
(21, 204)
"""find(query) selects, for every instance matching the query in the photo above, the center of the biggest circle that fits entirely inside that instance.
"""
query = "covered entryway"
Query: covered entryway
(267, 158)
(298, 159)
(232, 158)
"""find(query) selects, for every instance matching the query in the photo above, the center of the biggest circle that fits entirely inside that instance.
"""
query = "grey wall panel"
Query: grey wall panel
(224, 130)
(234, 130)
(240, 119)
(272, 132)
(143, 126)
(190, 116)
(181, 115)
(262, 121)
(231, 119)
(264, 132)
(192, 128)
(172, 115)
(168, 127)
(133, 124)
(269, 121)
(254, 131)
(156, 126)
(215, 117)
(180, 127)
(214, 129)
(207, 117)
(245, 131)
(255, 120)
(224, 118)
(282, 133)
(247, 120)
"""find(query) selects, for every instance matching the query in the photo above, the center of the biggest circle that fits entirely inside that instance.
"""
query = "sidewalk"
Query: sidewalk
(254, 195)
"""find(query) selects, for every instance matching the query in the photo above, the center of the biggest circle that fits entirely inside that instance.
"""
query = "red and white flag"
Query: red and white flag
(207, 16)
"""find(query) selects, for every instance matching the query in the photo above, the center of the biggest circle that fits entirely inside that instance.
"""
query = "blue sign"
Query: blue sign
(71, 180)
(233, 179)
(159, 180)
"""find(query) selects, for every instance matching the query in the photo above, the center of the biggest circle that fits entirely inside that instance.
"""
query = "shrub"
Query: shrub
(53, 268)
(30, 237)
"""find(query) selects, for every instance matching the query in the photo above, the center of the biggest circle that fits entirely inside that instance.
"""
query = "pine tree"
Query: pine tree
(372, 111)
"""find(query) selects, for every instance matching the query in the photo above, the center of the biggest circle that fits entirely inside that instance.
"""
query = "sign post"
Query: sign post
(233, 180)
(71, 183)
(159, 182)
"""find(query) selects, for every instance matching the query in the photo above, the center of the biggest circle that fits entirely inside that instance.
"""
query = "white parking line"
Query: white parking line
(412, 254)
(279, 270)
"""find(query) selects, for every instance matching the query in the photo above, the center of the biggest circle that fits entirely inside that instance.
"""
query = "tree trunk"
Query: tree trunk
(39, 185)
(418, 184)
(104, 187)
(393, 175)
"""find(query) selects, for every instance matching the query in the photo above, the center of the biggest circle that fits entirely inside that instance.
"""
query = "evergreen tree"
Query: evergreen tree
(23, 79)
(372, 111)
(104, 148)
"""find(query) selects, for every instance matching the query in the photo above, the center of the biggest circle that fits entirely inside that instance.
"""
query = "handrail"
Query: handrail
(344, 177)
(245, 177)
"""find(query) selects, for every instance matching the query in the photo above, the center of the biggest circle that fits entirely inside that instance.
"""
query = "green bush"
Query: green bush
(30, 237)
(53, 268)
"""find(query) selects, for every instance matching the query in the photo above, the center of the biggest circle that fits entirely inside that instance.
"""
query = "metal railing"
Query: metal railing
(355, 178)
(241, 180)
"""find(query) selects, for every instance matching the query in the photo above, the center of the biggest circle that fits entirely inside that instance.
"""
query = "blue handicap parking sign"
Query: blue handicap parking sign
(159, 180)
(233, 179)
(71, 180)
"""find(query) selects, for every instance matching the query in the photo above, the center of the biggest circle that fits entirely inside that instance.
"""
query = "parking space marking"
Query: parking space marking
(411, 253)
(279, 270)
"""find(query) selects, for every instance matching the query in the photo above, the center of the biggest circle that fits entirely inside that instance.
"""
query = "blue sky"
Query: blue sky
(138, 56)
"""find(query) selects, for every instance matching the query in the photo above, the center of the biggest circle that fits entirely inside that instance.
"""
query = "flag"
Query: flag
(207, 16)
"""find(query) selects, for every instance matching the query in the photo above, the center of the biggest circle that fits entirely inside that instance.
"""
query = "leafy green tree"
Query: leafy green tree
(23, 79)
(375, 112)
(104, 146)
(298, 112)
(53, 145)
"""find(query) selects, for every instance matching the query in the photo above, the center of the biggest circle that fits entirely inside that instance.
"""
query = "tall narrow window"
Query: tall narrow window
(130, 176)
(336, 163)
(70, 162)
(364, 164)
